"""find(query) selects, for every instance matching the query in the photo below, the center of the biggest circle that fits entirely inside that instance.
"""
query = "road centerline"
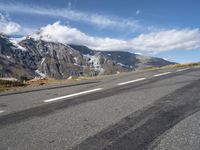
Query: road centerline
(1, 111)
(178, 70)
(132, 81)
(141, 128)
(72, 95)
(162, 74)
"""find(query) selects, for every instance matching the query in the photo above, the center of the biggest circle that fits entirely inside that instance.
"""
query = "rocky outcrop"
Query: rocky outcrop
(34, 57)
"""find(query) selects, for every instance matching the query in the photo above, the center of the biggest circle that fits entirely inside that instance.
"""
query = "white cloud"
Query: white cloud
(185, 39)
(7, 26)
(65, 34)
(79, 16)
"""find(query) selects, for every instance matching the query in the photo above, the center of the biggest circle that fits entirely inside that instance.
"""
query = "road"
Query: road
(157, 109)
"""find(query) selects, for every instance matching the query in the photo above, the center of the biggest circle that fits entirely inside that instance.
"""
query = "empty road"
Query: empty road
(157, 109)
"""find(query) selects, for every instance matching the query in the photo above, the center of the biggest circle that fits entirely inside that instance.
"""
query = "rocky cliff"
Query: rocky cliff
(29, 57)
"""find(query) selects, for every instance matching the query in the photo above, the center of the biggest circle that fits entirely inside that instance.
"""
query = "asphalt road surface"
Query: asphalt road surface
(156, 109)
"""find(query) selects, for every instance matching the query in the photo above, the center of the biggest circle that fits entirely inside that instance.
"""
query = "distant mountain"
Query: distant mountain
(126, 59)
(31, 57)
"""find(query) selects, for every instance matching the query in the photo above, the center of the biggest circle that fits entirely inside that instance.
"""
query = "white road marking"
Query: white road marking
(72, 95)
(182, 69)
(162, 74)
(132, 81)
(1, 111)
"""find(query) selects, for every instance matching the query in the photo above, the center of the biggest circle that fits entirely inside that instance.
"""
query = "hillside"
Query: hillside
(31, 57)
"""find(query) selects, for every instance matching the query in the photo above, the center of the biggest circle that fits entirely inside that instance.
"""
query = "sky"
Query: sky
(162, 28)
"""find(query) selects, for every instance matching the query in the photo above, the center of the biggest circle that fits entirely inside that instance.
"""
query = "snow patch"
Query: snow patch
(137, 53)
(167, 59)
(76, 59)
(94, 61)
(8, 57)
(127, 66)
(17, 46)
(43, 59)
(77, 64)
(40, 73)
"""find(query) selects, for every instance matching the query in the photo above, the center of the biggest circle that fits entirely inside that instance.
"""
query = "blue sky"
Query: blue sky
(162, 28)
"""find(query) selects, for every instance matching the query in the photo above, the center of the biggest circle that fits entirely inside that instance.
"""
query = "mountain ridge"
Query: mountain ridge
(37, 57)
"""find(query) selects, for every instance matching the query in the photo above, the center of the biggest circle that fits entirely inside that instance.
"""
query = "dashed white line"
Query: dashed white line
(72, 95)
(132, 81)
(1, 111)
(162, 74)
(182, 69)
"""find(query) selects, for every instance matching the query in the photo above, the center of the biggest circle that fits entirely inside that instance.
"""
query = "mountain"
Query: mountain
(30, 57)
(15, 61)
(127, 60)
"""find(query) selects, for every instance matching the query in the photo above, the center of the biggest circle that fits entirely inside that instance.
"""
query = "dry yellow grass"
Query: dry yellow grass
(152, 68)
(47, 81)
(174, 66)
(6, 85)
(183, 65)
